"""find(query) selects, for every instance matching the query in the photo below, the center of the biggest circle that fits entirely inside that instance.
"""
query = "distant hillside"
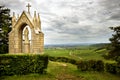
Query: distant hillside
(96, 45)
(100, 45)
(67, 45)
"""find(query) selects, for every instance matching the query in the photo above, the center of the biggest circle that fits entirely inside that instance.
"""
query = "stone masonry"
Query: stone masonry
(16, 42)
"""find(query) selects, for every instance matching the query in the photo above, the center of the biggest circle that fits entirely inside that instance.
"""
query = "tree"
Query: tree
(5, 23)
(114, 53)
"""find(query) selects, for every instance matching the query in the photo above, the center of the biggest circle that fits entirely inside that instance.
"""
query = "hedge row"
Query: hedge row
(98, 65)
(22, 64)
(90, 65)
(113, 68)
(62, 59)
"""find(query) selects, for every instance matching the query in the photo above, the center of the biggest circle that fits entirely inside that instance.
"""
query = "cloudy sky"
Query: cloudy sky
(72, 21)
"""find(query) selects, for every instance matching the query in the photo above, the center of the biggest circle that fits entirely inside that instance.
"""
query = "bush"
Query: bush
(118, 59)
(83, 66)
(90, 65)
(113, 68)
(118, 68)
(22, 64)
(62, 59)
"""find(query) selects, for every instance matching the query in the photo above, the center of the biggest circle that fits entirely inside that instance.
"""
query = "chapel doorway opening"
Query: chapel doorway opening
(25, 38)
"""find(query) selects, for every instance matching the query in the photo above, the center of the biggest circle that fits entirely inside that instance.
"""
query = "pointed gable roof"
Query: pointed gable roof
(25, 16)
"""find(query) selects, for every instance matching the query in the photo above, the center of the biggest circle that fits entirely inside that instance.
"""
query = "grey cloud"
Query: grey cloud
(14, 4)
(76, 20)
(110, 4)
(112, 8)
(82, 12)
(115, 16)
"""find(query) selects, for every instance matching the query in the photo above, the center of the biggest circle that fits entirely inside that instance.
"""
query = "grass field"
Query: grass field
(66, 71)
(79, 53)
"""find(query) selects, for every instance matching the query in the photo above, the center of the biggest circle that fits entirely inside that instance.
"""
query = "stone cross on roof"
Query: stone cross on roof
(28, 8)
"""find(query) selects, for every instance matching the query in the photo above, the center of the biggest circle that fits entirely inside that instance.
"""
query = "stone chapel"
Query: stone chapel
(26, 35)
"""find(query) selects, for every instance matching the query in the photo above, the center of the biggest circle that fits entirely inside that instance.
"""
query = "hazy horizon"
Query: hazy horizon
(74, 43)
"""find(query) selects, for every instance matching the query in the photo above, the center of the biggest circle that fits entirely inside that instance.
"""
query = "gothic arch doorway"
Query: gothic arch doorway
(26, 39)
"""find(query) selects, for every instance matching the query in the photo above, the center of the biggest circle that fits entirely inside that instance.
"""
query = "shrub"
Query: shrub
(118, 68)
(83, 66)
(113, 68)
(90, 65)
(118, 59)
(100, 65)
(22, 64)
(62, 59)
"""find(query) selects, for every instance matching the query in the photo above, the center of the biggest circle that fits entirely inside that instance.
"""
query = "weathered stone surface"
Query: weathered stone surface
(16, 42)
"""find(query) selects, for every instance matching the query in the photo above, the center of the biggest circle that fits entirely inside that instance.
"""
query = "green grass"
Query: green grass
(81, 53)
(28, 77)
(57, 52)
(98, 76)
(64, 71)
(78, 54)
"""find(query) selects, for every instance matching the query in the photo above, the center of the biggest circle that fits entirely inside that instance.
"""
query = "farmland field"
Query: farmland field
(78, 53)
